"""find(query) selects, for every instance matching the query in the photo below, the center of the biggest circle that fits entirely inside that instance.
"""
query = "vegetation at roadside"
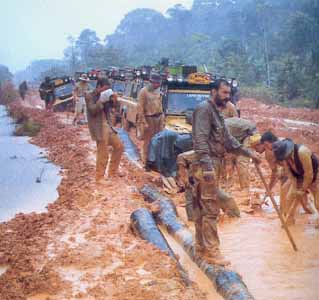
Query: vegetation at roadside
(27, 128)
(270, 46)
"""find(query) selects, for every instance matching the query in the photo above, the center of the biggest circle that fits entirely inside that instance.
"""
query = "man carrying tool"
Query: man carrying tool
(150, 118)
(81, 88)
(102, 132)
(302, 167)
(211, 140)
(264, 145)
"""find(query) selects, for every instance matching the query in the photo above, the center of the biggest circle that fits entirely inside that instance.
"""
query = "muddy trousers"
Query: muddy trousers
(154, 125)
(289, 203)
(205, 216)
(102, 155)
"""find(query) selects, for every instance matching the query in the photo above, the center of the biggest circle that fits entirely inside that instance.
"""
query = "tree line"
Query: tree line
(270, 46)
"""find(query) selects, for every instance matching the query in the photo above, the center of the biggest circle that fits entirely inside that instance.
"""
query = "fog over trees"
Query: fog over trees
(267, 44)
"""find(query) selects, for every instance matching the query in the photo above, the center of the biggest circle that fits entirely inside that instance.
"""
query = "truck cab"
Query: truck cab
(181, 96)
(63, 90)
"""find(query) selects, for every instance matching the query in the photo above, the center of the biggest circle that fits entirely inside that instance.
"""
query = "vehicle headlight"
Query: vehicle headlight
(235, 83)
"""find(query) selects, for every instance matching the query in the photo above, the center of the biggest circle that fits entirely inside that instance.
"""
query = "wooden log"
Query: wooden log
(228, 283)
(144, 225)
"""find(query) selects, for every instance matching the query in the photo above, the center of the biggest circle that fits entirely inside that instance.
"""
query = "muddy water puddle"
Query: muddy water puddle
(28, 180)
(194, 272)
(3, 269)
(260, 251)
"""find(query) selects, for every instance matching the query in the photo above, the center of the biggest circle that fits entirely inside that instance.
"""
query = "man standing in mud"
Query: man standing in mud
(211, 140)
(47, 93)
(23, 88)
(81, 88)
(150, 118)
(302, 167)
(103, 133)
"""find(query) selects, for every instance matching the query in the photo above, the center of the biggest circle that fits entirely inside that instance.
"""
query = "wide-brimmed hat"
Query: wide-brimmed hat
(156, 78)
(282, 149)
(84, 77)
(254, 140)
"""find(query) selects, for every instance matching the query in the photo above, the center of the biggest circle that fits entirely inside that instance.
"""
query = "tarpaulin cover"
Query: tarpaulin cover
(164, 148)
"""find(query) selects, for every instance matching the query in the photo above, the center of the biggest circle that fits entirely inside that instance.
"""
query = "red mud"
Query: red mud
(82, 248)
(280, 120)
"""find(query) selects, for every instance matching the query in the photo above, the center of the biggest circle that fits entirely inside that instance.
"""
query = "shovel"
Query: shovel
(283, 223)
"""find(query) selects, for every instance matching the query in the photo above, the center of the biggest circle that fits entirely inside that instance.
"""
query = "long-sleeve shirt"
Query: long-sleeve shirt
(211, 138)
(97, 123)
(81, 88)
(149, 103)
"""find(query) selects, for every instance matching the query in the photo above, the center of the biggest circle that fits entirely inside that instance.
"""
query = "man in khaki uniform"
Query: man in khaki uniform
(187, 166)
(150, 117)
(81, 88)
(211, 140)
(245, 132)
(103, 133)
(229, 111)
(302, 167)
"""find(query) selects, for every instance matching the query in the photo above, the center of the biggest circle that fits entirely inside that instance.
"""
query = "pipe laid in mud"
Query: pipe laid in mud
(228, 284)
(143, 224)
(129, 147)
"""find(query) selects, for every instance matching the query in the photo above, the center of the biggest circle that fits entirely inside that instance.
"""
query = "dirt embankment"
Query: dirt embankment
(82, 248)
(299, 124)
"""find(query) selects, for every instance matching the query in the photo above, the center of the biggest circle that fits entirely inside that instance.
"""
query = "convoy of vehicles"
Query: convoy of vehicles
(182, 89)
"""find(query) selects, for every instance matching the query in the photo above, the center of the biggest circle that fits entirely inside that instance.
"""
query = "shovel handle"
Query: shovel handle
(283, 223)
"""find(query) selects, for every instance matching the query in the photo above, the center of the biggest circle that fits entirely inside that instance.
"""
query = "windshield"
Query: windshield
(118, 87)
(92, 84)
(64, 90)
(180, 103)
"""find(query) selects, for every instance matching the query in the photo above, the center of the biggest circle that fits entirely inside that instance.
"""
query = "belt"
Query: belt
(154, 115)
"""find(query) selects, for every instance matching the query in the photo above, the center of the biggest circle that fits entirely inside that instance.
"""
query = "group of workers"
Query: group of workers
(200, 170)
(218, 135)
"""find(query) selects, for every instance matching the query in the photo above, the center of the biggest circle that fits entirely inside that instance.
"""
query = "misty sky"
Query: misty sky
(37, 29)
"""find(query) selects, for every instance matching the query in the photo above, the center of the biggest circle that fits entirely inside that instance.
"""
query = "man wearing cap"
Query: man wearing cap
(102, 132)
(150, 118)
(278, 173)
(211, 140)
(81, 88)
(302, 167)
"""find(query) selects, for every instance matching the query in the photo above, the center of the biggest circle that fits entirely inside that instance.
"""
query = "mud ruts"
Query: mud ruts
(228, 283)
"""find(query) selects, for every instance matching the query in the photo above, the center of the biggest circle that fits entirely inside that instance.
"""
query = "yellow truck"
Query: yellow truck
(179, 97)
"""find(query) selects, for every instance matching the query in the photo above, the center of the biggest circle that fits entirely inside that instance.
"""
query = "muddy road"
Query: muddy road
(83, 248)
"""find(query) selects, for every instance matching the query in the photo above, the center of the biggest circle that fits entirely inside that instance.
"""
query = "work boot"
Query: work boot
(214, 257)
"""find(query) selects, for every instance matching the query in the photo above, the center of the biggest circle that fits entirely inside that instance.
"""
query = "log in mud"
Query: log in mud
(143, 224)
(228, 283)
